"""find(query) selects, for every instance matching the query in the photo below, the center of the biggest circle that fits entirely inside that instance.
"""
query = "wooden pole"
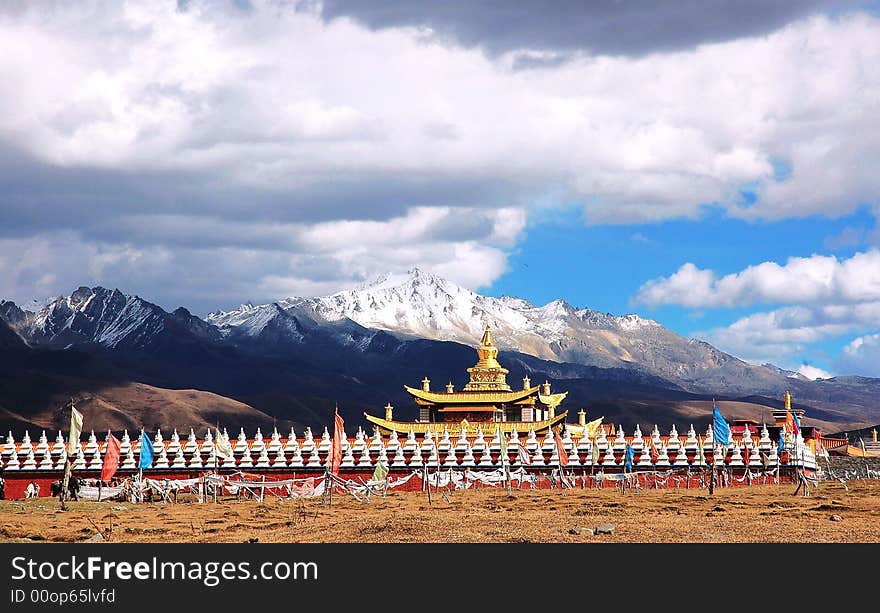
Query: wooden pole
(67, 466)
(712, 474)
(428, 486)
(64, 482)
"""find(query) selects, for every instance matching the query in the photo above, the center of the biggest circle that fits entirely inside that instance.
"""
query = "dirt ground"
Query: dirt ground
(766, 513)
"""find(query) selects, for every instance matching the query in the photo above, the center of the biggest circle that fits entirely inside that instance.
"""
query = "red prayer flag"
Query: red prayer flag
(336, 454)
(560, 449)
(789, 423)
(111, 458)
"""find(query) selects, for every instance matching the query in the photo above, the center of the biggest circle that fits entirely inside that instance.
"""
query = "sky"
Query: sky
(712, 165)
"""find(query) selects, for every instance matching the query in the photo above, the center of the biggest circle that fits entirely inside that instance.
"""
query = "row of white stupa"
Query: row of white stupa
(364, 452)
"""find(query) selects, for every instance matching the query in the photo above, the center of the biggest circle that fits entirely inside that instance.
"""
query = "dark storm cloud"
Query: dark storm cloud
(39, 197)
(611, 27)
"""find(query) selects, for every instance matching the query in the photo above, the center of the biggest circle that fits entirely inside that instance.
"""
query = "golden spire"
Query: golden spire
(487, 350)
(389, 411)
(787, 400)
(487, 373)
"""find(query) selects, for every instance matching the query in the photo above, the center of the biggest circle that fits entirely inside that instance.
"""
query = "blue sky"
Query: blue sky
(707, 163)
(603, 267)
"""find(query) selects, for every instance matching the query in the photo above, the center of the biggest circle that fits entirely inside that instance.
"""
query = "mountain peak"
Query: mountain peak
(389, 280)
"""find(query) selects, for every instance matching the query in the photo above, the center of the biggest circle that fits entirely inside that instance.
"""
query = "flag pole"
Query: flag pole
(68, 467)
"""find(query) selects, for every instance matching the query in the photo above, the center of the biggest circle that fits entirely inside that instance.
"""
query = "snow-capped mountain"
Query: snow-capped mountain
(266, 322)
(424, 305)
(100, 316)
(414, 305)
(420, 304)
(298, 357)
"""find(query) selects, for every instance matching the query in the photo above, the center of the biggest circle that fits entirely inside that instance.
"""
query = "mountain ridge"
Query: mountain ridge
(291, 358)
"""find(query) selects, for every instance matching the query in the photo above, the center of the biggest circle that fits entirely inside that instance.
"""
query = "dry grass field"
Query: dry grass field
(734, 515)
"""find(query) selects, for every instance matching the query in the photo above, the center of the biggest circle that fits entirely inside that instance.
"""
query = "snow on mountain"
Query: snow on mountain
(90, 315)
(257, 322)
(417, 304)
(424, 305)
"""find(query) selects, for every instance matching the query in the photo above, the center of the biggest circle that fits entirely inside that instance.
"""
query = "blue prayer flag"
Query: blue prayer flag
(720, 427)
(781, 444)
(628, 459)
(147, 452)
(797, 423)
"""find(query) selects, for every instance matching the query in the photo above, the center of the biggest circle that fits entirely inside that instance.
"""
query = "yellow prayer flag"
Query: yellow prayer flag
(76, 424)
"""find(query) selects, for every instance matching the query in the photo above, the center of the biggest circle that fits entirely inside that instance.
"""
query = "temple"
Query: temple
(481, 433)
(487, 401)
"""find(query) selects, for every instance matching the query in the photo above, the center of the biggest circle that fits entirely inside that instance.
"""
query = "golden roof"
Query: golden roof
(553, 399)
(472, 428)
(471, 397)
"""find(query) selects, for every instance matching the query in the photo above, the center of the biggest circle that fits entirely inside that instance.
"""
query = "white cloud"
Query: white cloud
(206, 264)
(238, 124)
(814, 279)
(813, 372)
(862, 356)
(276, 97)
(779, 336)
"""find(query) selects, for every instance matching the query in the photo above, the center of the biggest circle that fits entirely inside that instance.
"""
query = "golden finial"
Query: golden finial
(527, 382)
(487, 340)
(582, 417)
(787, 400)
(449, 388)
(426, 384)
(389, 410)
(487, 373)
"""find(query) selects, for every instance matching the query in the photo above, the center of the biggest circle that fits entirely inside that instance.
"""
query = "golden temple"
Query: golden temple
(485, 403)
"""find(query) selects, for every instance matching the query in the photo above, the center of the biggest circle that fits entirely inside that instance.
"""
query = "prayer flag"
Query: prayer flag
(111, 458)
(147, 452)
(76, 423)
(560, 449)
(628, 459)
(222, 448)
(796, 424)
(338, 433)
(781, 447)
(720, 427)
(381, 471)
(523, 454)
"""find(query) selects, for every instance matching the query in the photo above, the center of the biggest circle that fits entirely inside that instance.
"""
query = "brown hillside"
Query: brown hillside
(38, 401)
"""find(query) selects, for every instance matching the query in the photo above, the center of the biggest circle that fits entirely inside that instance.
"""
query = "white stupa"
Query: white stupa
(129, 463)
(59, 444)
(280, 460)
(192, 444)
(30, 462)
